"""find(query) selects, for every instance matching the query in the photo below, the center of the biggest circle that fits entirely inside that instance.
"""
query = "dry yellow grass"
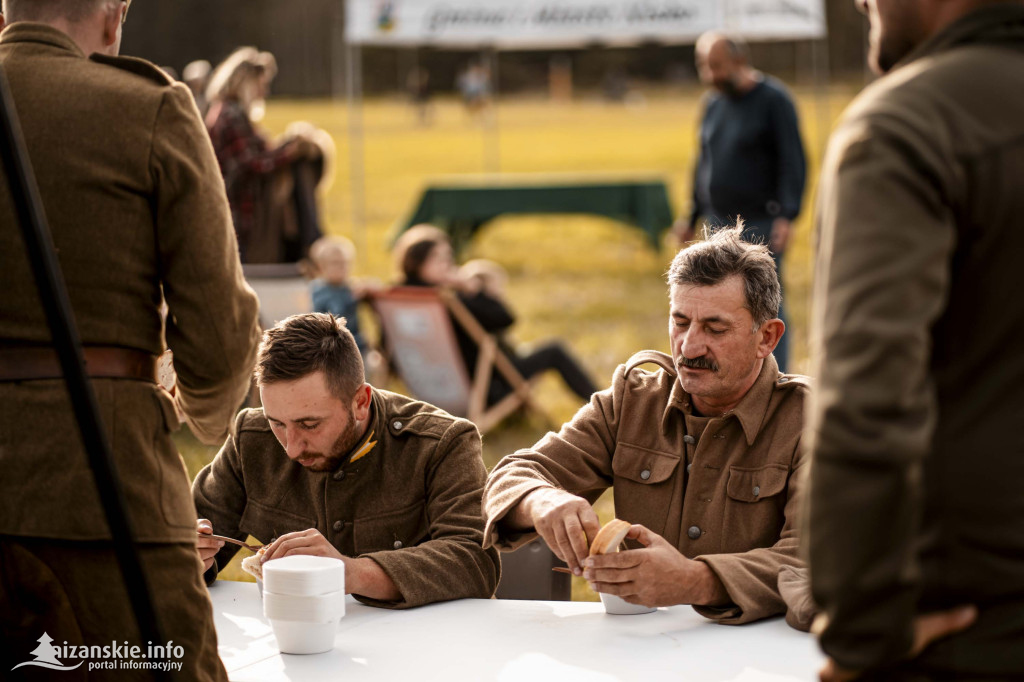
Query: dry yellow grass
(590, 281)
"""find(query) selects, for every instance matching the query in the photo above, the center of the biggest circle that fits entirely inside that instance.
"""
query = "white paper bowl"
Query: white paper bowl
(295, 637)
(617, 606)
(304, 575)
(317, 609)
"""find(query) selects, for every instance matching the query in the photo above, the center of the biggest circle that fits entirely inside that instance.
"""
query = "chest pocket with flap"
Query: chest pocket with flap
(266, 523)
(405, 527)
(754, 485)
(643, 465)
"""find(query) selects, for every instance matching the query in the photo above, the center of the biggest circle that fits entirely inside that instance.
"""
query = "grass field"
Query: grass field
(593, 282)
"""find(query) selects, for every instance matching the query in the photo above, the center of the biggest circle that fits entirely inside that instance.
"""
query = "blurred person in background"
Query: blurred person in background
(271, 186)
(196, 76)
(137, 211)
(750, 161)
(916, 517)
(334, 290)
(424, 257)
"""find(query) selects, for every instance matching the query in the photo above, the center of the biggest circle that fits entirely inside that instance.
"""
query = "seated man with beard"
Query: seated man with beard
(702, 454)
(331, 466)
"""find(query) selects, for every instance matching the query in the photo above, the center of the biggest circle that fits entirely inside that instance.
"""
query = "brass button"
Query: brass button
(693, 532)
(338, 526)
(757, 490)
(689, 440)
(339, 475)
(398, 544)
(645, 474)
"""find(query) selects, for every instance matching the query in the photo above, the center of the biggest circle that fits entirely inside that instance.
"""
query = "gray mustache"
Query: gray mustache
(699, 363)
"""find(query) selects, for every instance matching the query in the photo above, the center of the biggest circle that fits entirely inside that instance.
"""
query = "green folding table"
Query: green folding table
(462, 205)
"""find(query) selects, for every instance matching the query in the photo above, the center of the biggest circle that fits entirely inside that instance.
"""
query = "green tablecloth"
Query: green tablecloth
(462, 206)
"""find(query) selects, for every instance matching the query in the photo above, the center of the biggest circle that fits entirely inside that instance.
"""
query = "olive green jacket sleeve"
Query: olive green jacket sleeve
(212, 324)
(451, 564)
(882, 278)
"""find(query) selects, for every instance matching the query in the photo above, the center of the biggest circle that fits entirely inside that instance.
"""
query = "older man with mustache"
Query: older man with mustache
(702, 454)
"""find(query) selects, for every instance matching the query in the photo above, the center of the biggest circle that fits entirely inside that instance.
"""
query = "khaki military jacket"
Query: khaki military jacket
(136, 206)
(729, 499)
(412, 503)
(916, 497)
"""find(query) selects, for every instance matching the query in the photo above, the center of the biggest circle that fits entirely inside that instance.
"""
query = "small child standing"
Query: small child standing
(333, 291)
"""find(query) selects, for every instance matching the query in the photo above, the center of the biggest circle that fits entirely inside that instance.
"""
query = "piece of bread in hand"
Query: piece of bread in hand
(252, 564)
(609, 537)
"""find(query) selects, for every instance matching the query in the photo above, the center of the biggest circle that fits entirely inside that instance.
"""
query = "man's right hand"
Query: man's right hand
(566, 522)
(208, 547)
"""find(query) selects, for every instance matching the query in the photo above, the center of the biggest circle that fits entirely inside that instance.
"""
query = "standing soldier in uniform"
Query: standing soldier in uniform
(916, 514)
(134, 200)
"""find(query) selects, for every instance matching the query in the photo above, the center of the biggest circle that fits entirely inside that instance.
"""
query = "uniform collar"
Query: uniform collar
(370, 439)
(752, 407)
(35, 32)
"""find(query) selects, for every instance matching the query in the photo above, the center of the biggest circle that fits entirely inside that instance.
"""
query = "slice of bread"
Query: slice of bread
(252, 564)
(610, 537)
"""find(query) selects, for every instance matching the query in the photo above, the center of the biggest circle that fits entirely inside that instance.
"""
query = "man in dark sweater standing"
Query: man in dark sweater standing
(751, 159)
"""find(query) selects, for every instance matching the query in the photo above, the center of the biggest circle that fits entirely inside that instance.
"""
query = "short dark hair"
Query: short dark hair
(413, 248)
(312, 342)
(47, 10)
(725, 253)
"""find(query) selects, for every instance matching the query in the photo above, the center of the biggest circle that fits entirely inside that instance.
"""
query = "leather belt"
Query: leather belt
(33, 363)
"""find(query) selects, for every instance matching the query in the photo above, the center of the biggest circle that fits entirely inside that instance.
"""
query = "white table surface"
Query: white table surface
(513, 641)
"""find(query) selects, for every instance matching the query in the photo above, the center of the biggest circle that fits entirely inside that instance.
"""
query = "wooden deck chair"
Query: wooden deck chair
(420, 341)
(281, 288)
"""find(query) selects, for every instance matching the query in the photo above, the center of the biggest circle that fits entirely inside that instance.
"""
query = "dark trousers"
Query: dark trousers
(73, 592)
(551, 355)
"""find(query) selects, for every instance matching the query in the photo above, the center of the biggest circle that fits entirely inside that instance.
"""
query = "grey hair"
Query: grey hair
(723, 254)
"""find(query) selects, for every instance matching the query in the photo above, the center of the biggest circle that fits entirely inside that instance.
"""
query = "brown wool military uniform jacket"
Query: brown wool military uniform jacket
(917, 431)
(136, 206)
(412, 504)
(729, 499)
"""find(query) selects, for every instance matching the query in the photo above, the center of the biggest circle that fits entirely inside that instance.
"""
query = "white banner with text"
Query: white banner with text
(526, 24)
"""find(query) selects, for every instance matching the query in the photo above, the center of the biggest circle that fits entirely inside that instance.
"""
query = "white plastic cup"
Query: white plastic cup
(617, 606)
(321, 608)
(296, 637)
(304, 576)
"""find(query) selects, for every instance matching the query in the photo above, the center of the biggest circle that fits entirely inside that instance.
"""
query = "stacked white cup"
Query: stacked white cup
(303, 598)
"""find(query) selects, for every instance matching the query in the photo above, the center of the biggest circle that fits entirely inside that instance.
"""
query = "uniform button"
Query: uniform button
(688, 467)
(757, 490)
(689, 440)
(337, 526)
(783, 380)
(693, 533)
(396, 425)
(339, 475)
(398, 544)
(645, 474)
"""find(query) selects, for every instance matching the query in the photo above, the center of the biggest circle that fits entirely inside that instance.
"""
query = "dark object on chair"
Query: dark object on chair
(526, 574)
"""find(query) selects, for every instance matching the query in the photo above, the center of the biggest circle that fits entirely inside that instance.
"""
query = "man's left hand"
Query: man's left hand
(927, 629)
(657, 575)
(304, 542)
(780, 235)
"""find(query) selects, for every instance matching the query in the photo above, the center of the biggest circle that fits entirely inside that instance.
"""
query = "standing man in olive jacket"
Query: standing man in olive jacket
(703, 454)
(331, 466)
(136, 206)
(916, 511)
